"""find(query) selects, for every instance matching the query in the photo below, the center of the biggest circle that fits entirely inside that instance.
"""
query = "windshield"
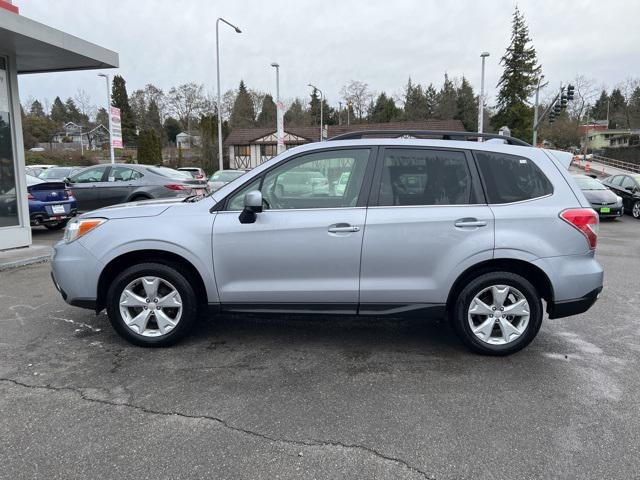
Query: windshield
(225, 176)
(31, 180)
(55, 173)
(168, 172)
(588, 183)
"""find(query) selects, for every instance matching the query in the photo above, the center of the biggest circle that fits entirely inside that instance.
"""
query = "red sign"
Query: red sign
(116, 128)
(6, 4)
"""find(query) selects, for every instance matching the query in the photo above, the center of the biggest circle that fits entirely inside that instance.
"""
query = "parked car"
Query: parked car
(105, 185)
(220, 179)
(50, 203)
(478, 232)
(195, 172)
(36, 149)
(603, 200)
(626, 186)
(36, 170)
(58, 173)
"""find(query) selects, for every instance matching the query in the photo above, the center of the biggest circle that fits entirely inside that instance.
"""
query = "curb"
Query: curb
(25, 262)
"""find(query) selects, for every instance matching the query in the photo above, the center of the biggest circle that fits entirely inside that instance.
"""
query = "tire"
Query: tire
(139, 198)
(485, 286)
(57, 225)
(635, 209)
(158, 332)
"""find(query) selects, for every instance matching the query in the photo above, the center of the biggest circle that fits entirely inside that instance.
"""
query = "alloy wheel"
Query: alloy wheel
(498, 315)
(150, 306)
(636, 210)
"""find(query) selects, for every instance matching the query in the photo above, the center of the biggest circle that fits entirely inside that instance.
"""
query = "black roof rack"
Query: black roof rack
(437, 134)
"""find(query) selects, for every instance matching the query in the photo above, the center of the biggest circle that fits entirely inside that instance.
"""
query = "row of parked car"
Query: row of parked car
(612, 196)
(58, 193)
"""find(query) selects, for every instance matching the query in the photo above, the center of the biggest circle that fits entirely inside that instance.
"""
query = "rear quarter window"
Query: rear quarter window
(510, 178)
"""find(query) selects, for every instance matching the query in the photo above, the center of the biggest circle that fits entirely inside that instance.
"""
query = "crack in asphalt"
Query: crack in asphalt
(225, 424)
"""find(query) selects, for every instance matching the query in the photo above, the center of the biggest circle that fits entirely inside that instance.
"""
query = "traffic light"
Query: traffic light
(552, 116)
(570, 92)
(557, 108)
(564, 99)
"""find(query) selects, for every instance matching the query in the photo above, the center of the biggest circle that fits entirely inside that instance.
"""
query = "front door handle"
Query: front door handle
(343, 228)
(470, 222)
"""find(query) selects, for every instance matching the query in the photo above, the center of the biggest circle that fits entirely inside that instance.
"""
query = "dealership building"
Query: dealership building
(29, 47)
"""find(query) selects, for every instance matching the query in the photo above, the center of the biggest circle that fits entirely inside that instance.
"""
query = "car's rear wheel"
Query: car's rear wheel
(497, 313)
(152, 304)
(635, 210)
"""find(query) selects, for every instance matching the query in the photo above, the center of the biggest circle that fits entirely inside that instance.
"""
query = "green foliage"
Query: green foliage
(171, 128)
(243, 114)
(102, 117)
(415, 102)
(599, 109)
(36, 109)
(467, 106)
(384, 110)
(296, 116)
(618, 110)
(58, 112)
(209, 141)
(447, 100)
(268, 113)
(518, 81)
(120, 100)
(149, 147)
(73, 114)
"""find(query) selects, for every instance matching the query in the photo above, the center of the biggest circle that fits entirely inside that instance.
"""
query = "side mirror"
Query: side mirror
(252, 206)
(631, 189)
(67, 181)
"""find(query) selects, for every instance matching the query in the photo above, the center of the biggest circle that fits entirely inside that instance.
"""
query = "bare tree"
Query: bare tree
(85, 104)
(228, 99)
(359, 95)
(186, 102)
(627, 87)
(587, 91)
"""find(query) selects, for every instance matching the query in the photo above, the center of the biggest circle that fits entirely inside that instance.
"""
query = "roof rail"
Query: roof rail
(439, 134)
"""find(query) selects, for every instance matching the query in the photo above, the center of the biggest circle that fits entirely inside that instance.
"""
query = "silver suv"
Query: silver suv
(481, 232)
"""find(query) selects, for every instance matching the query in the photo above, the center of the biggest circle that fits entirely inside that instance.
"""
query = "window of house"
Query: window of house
(242, 150)
(509, 178)
(424, 177)
(269, 150)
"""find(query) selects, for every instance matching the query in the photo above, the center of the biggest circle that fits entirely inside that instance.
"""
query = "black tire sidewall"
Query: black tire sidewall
(170, 273)
(637, 202)
(461, 325)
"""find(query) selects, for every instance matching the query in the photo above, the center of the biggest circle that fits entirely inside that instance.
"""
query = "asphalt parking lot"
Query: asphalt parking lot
(249, 397)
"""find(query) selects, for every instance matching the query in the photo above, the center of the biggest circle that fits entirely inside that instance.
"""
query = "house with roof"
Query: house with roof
(249, 147)
(72, 133)
(186, 140)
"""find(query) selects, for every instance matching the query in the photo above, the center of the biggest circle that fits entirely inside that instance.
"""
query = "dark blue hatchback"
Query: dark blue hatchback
(50, 203)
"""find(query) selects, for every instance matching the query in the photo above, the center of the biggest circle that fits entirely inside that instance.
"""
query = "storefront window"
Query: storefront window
(8, 199)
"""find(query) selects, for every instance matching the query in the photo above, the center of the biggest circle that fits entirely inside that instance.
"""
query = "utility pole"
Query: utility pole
(481, 102)
(279, 112)
(339, 113)
(535, 110)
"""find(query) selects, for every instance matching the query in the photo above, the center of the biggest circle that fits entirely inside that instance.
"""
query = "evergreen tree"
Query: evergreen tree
(617, 110)
(36, 109)
(171, 128)
(634, 109)
(58, 112)
(431, 100)
(209, 138)
(415, 102)
(599, 109)
(152, 119)
(149, 148)
(467, 106)
(296, 116)
(446, 100)
(73, 114)
(384, 110)
(518, 81)
(102, 117)
(120, 99)
(243, 114)
(268, 113)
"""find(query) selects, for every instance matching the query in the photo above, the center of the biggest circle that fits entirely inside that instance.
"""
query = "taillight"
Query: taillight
(30, 197)
(177, 186)
(70, 194)
(585, 220)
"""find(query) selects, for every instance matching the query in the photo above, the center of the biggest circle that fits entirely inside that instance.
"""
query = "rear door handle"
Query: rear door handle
(343, 228)
(470, 222)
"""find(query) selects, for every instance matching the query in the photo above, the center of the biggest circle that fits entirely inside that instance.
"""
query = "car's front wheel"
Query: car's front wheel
(635, 210)
(497, 313)
(152, 304)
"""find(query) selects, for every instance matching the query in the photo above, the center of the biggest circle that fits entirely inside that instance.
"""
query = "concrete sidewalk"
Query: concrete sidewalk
(19, 257)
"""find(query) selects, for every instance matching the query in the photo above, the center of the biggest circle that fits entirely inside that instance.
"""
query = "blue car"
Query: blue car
(50, 203)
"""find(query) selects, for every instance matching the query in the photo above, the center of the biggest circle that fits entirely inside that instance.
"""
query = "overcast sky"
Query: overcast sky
(327, 43)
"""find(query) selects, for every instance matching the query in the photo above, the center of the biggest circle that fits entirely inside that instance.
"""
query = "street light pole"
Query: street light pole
(220, 155)
(321, 102)
(481, 102)
(535, 111)
(111, 152)
(279, 113)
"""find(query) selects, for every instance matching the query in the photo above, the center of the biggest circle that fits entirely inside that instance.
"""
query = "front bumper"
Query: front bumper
(75, 273)
(608, 212)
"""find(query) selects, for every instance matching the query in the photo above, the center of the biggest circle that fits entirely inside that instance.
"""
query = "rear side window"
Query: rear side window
(509, 178)
(424, 177)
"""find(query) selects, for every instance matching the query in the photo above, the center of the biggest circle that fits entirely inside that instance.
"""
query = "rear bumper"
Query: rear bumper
(576, 306)
(39, 218)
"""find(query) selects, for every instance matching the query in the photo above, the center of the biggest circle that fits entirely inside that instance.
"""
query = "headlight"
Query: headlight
(79, 227)
(619, 199)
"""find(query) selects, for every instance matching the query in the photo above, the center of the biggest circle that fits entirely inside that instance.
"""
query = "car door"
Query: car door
(85, 187)
(425, 221)
(627, 191)
(119, 185)
(303, 251)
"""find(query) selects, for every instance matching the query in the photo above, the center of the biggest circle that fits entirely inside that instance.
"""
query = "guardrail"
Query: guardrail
(622, 165)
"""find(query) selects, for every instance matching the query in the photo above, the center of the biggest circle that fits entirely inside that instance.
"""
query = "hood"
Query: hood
(600, 196)
(143, 208)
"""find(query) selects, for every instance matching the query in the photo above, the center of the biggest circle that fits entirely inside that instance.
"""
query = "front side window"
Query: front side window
(509, 178)
(627, 182)
(90, 175)
(329, 179)
(123, 174)
(424, 177)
